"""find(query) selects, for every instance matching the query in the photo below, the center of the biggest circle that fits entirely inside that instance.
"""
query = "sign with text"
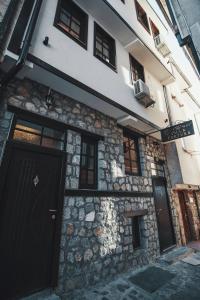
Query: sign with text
(177, 131)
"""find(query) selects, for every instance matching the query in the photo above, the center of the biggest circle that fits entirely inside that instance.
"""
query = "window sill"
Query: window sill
(114, 68)
(81, 43)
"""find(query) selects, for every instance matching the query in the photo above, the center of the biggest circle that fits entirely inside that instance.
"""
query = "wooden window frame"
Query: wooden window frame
(136, 232)
(82, 41)
(134, 64)
(111, 43)
(89, 140)
(44, 125)
(152, 24)
(139, 7)
(134, 137)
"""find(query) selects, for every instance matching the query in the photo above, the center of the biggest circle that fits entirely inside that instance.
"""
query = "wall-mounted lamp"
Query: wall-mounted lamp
(46, 41)
(50, 99)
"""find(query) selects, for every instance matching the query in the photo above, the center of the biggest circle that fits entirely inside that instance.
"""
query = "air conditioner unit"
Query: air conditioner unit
(142, 93)
(161, 45)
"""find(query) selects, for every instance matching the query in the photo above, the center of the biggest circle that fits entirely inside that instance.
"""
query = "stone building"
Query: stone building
(87, 189)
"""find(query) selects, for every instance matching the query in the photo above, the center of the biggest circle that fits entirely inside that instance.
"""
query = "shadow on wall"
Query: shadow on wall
(97, 239)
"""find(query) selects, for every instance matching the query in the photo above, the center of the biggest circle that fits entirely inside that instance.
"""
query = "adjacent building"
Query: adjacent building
(185, 17)
(88, 189)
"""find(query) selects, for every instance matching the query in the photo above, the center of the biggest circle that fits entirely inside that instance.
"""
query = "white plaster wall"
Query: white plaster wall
(67, 56)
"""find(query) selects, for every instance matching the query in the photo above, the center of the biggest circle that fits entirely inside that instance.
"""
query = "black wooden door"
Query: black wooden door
(28, 221)
(164, 220)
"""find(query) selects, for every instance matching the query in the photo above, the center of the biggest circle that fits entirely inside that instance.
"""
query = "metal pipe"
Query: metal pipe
(6, 22)
(167, 105)
(25, 45)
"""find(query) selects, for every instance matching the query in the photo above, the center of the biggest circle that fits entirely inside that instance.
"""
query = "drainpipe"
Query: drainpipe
(167, 105)
(6, 22)
(25, 46)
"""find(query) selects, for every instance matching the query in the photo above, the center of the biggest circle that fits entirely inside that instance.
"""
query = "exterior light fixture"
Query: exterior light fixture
(49, 99)
(46, 41)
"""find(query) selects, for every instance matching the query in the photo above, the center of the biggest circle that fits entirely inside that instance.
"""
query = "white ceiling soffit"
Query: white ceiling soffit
(149, 60)
(136, 124)
(105, 14)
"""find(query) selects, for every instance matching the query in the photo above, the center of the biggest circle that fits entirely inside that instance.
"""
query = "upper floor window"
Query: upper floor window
(154, 29)
(131, 154)
(104, 47)
(88, 167)
(142, 16)
(72, 20)
(123, 1)
(137, 70)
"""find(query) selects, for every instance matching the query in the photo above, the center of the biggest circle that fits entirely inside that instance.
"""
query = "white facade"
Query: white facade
(67, 56)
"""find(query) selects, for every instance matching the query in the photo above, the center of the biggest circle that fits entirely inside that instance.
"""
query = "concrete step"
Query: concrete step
(175, 255)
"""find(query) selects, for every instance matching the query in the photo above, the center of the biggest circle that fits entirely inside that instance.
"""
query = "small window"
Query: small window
(136, 232)
(142, 16)
(137, 70)
(131, 155)
(88, 167)
(104, 47)
(154, 29)
(123, 1)
(32, 133)
(72, 20)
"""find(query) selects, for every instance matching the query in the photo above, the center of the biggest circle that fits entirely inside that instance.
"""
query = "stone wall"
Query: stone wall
(97, 237)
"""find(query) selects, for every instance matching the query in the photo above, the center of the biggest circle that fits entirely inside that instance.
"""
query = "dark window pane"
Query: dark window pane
(53, 133)
(90, 177)
(83, 161)
(88, 165)
(136, 232)
(84, 148)
(83, 176)
(91, 163)
(91, 150)
(50, 143)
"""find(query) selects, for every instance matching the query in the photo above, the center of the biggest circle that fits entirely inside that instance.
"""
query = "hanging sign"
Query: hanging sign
(177, 131)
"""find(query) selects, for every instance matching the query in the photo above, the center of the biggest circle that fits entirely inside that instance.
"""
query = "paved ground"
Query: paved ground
(164, 280)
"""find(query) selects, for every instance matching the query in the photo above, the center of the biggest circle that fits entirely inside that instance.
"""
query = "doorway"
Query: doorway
(31, 193)
(163, 214)
(185, 216)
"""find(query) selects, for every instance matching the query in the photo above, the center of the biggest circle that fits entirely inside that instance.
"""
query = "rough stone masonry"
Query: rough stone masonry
(96, 239)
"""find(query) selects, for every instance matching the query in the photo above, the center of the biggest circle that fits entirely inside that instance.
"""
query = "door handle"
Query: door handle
(53, 210)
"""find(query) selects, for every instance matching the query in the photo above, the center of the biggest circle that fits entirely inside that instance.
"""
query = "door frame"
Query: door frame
(170, 212)
(4, 167)
(184, 198)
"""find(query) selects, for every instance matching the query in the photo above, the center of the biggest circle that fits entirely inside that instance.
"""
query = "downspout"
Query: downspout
(6, 22)
(167, 105)
(25, 46)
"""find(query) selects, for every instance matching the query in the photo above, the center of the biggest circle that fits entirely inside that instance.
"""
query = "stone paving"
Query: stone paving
(182, 284)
